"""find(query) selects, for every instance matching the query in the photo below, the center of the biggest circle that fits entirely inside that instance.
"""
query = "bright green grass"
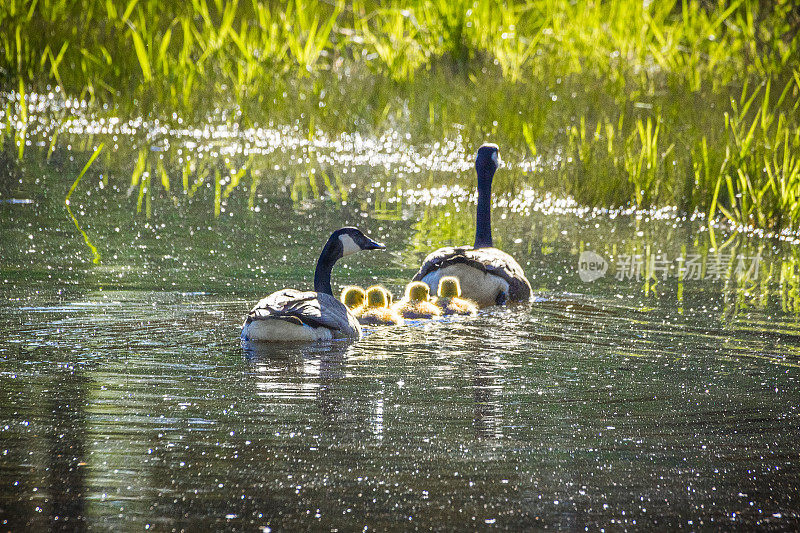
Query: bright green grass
(686, 103)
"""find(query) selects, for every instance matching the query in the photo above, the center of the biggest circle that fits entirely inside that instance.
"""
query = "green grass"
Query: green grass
(92, 247)
(684, 103)
(102, 47)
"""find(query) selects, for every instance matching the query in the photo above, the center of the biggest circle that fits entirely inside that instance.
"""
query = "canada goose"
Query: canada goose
(292, 315)
(377, 311)
(354, 298)
(416, 303)
(450, 300)
(488, 276)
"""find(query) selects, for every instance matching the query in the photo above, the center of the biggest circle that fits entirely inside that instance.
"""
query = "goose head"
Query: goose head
(376, 297)
(341, 243)
(417, 291)
(353, 297)
(346, 241)
(487, 162)
(449, 287)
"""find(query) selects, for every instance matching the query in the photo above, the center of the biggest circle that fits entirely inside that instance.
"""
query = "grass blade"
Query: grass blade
(92, 247)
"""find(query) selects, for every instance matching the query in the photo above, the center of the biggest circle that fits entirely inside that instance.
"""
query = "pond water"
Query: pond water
(662, 394)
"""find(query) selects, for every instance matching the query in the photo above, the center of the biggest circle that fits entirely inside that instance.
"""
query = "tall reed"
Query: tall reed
(629, 99)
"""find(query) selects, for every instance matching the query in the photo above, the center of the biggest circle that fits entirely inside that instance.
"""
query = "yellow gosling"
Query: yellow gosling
(389, 298)
(377, 311)
(354, 298)
(416, 303)
(450, 300)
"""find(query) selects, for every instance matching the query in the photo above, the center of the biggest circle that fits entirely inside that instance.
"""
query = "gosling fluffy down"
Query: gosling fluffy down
(377, 311)
(450, 301)
(416, 303)
(354, 298)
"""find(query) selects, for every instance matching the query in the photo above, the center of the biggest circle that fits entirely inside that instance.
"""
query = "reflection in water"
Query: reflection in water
(319, 369)
(487, 392)
(376, 414)
(299, 371)
(66, 454)
(331, 373)
(43, 449)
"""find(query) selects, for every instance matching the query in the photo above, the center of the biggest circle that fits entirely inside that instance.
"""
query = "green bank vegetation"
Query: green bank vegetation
(682, 103)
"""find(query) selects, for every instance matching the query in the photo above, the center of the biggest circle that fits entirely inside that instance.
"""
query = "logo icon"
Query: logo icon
(591, 266)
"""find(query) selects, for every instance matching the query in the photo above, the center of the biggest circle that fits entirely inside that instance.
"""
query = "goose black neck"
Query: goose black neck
(322, 274)
(483, 226)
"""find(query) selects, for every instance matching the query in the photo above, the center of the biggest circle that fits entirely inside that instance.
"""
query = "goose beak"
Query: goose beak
(373, 245)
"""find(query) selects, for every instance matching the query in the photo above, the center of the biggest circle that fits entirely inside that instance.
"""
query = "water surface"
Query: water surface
(663, 395)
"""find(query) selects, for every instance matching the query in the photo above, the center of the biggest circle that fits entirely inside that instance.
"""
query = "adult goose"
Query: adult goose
(292, 315)
(488, 276)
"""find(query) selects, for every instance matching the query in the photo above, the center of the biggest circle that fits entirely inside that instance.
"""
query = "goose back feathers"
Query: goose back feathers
(320, 315)
(488, 276)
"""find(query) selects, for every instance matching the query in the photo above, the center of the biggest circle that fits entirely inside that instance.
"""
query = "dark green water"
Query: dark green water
(127, 402)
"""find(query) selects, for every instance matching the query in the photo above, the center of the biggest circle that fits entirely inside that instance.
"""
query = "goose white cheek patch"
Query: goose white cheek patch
(349, 246)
